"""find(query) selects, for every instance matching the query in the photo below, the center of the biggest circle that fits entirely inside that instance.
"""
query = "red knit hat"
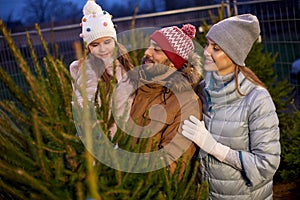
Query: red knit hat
(176, 43)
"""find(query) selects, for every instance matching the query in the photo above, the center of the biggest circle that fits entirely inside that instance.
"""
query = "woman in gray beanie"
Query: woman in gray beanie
(239, 137)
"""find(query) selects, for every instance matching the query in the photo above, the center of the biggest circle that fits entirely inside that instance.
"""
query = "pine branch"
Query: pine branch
(39, 145)
(46, 160)
(15, 90)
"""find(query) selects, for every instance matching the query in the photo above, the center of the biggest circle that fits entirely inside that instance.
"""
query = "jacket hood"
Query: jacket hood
(178, 82)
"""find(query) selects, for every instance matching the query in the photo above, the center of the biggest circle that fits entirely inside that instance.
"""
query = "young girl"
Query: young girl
(106, 58)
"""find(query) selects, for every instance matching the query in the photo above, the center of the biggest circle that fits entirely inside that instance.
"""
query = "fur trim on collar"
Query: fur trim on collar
(177, 82)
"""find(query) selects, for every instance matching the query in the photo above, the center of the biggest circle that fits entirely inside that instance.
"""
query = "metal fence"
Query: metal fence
(279, 20)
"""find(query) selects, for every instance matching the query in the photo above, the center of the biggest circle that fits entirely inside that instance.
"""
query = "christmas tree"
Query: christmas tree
(43, 158)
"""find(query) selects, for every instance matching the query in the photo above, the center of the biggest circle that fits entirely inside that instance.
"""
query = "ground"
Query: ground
(286, 191)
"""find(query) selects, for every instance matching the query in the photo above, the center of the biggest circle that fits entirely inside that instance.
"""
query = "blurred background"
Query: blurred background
(60, 19)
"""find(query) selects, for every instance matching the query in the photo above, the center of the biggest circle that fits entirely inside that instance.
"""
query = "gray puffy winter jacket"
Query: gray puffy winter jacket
(247, 124)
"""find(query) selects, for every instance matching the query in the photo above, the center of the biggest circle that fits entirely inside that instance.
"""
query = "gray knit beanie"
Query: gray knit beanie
(235, 36)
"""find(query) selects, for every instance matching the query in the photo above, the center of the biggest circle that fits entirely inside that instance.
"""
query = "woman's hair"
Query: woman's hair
(249, 74)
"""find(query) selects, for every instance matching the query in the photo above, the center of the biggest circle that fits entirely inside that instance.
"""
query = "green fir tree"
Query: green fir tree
(43, 158)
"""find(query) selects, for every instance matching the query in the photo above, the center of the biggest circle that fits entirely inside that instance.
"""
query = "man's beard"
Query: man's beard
(155, 69)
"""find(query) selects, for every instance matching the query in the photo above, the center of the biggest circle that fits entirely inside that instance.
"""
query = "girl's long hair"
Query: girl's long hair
(123, 57)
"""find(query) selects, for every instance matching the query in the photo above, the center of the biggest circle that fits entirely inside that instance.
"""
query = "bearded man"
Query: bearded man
(165, 95)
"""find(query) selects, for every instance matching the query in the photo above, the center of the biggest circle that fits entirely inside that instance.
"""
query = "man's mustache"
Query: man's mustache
(146, 59)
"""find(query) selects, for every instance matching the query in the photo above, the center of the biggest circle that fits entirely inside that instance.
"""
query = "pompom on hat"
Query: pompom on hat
(236, 36)
(176, 43)
(96, 23)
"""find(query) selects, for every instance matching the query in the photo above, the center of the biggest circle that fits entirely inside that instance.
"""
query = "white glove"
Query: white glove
(195, 131)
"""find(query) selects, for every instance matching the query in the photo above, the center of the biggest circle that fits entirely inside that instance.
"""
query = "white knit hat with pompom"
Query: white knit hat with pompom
(96, 23)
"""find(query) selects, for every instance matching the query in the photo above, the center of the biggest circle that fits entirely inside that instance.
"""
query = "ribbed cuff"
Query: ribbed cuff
(220, 151)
